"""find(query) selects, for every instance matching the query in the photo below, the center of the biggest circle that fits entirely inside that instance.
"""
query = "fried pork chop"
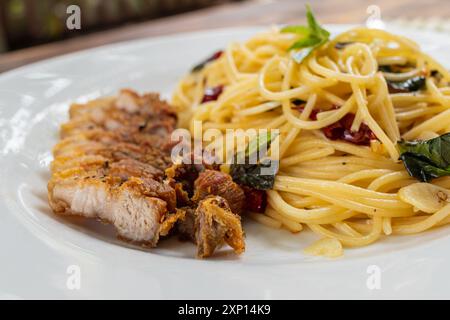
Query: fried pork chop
(112, 162)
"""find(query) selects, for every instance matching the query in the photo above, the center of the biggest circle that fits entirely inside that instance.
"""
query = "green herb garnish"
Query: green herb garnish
(426, 160)
(249, 174)
(313, 36)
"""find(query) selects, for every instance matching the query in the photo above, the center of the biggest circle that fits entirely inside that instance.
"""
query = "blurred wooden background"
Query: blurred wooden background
(25, 23)
(42, 20)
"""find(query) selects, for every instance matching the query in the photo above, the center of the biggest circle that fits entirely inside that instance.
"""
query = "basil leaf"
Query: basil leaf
(314, 25)
(313, 36)
(312, 22)
(304, 30)
(305, 43)
(250, 174)
(420, 168)
(437, 149)
(426, 160)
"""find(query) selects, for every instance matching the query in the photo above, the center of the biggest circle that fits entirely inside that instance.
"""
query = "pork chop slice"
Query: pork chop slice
(136, 217)
(110, 165)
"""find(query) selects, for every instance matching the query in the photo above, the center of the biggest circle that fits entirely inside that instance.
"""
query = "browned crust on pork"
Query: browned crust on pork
(212, 182)
(110, 164)
(216, 224)
(113, 164)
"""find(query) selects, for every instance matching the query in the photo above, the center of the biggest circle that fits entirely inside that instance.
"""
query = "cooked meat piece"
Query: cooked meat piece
(182, 177)
(86, 162)
(68, 151)
(206, 196)
(186, 224)
(113, 164)
(110, 165)
(170, 221)
(136, 217)
(127, 115)
(153, 188)
(127, 168)
(211, 225)
(212, 182)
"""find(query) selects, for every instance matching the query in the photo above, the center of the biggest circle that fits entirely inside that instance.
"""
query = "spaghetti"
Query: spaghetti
(338, 188)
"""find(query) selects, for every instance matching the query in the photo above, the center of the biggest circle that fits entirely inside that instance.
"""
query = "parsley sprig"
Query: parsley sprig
(313, 36)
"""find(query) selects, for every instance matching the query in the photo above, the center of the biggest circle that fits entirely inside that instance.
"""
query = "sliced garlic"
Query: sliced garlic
(328, 247)
(425, 197)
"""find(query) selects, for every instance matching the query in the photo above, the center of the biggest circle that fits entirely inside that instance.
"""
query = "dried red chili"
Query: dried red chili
(341, 130)
(216, 55)
(212, 94)
(301, 106)
(255, 200)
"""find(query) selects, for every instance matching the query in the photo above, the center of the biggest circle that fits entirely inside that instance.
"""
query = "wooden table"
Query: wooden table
(251, 12)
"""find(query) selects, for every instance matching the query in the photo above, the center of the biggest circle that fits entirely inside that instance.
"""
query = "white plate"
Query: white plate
(37, 248)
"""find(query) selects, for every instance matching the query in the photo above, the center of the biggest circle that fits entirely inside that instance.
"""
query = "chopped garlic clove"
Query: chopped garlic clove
(328, 247)
(425, 197)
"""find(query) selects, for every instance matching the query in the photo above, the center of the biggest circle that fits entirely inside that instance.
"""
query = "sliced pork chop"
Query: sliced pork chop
(113, 164)
(110, 164)
(137, 217)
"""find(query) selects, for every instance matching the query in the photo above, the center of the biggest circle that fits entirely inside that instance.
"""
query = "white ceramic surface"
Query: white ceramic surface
(37, 247)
